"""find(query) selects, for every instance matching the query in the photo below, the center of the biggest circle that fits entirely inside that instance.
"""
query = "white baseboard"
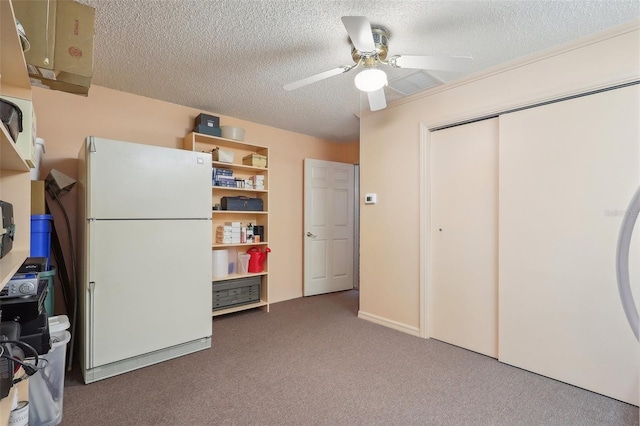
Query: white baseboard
(414, 331)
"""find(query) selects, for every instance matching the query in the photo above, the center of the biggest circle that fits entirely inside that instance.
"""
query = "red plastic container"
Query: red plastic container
(256, 261)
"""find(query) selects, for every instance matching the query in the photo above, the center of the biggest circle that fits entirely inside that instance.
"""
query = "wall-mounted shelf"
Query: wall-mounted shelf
(15, 185)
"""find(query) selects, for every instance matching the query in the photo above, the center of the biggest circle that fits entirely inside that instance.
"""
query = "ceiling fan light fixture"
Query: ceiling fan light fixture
(371, 79)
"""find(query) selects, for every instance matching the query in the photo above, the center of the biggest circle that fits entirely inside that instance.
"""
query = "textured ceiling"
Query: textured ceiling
(233, 57)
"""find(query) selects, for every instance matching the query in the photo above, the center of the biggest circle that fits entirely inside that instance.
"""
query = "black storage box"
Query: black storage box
(25, 308)
(242, 204)
(236, 292)
(36, 333)
(207, 120)
(33, 265)
(7, 228)
(259, 230)
(11, 116)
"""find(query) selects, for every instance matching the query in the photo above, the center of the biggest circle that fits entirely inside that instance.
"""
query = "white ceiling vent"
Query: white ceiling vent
(413, 83)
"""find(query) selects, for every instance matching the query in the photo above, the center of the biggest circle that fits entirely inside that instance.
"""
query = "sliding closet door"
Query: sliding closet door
(567, 173)
(462, 294)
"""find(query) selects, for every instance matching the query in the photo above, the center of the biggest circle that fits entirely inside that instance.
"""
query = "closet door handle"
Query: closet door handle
(622, 264)
(309, 234)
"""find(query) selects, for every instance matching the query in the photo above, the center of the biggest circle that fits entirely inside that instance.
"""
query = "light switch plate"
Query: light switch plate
(370, 198)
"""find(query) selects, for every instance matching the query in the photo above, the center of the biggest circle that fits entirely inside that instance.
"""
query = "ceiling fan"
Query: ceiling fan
(370, 45)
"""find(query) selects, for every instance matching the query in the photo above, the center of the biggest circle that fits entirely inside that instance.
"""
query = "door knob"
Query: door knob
(309, 234)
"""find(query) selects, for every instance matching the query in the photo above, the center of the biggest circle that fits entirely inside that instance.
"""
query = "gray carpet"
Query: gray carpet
(311, 361)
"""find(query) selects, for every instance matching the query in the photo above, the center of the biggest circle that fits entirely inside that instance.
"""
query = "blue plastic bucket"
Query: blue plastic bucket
(41, 225)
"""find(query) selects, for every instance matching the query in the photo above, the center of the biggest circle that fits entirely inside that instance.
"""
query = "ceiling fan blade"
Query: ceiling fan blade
(317, 77)
(377, 100)
(440, 63)
(360, 33)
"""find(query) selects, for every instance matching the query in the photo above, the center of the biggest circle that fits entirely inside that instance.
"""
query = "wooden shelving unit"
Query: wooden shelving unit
(15, 186)
(206, 143)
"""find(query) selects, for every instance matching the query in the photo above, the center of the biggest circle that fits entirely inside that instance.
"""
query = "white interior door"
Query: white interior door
(568, 171)
(328, 226)
(463, 289)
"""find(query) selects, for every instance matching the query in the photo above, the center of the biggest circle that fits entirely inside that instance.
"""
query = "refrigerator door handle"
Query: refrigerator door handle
(92, 144)
(622, 264)
(92, 287)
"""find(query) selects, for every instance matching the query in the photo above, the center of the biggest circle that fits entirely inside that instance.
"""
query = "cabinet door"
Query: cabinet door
(567, 173)
(152, 287)
(463, 289)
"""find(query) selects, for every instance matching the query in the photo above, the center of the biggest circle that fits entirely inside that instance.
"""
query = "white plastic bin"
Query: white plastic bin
(220, 263)
(35, 172)
(46, 387)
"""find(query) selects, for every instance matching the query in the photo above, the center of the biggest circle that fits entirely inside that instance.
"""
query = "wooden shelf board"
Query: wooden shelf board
(14, 79)
(237, 276)
(240, 308)
(237, 212)
(226, 188)
(10, 158)
(220, 245)
(10, 264)
(226, 143)
(234, 166)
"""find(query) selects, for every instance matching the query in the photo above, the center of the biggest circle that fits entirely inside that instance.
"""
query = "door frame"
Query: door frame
(356, 226)
(424, 228)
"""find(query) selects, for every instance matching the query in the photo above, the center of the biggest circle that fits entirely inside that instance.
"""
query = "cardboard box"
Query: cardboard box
(255, 160)
(63, 50)
(222, 155)
(207, 120)
(36, 21)
(59, 85)
(38, 202)
(26, 142)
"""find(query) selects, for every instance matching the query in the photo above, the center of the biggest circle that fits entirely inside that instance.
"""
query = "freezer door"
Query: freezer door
(149, 287)
(134, 181)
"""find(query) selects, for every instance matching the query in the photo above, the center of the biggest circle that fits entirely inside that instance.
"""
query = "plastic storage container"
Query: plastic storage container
(243, 263)
(232, 132)
(35, 172)
(41, 225)
(220, 263)
(46, 387)
(48, 301)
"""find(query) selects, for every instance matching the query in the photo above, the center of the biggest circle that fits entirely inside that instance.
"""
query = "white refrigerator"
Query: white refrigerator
(144, 255)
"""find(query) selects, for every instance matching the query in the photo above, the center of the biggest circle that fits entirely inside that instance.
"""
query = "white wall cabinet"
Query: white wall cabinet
(567, 172)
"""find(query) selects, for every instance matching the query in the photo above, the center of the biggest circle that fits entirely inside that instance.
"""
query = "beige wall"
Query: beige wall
(393, 142)
(65, 120)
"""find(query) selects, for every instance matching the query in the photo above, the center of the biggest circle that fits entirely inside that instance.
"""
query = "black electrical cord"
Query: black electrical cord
(29, 368)
(23, 346)
(73, 274)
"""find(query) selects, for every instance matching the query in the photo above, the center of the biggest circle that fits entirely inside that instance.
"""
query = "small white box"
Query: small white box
(222, 155)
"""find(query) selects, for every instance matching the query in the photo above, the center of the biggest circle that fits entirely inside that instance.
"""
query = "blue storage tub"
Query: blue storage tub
(41, 226)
